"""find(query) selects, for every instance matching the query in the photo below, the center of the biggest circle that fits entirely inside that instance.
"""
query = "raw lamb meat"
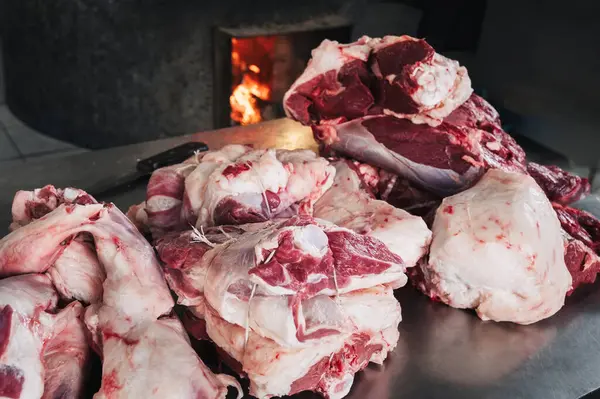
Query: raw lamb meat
(66, 357)
(134, 296)
(31, 205)
(401, 76)
(348, 203)
(327, 366)
(76, 272)
(25, 326)
(561, 187)
(498, 248)
(123, 252)
(444, 159)
(283, 274)
(298, 304)
(158, 355)
(582, 244)
(235, 185)
(395, 104)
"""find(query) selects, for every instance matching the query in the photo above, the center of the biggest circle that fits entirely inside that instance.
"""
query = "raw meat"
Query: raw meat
(235, 185)
(498, 248)
(402, 76)
(281, 273)
(25, 326)
(326, 366)
(582, 244)
(123, 252)
(561, 187)
(155, 360)
(31, 205)
(395, 104)
(134, 296)
(66, 356)
(443, 160)
(76, 272)
(349, 204)
(403, 194)
(298, 304)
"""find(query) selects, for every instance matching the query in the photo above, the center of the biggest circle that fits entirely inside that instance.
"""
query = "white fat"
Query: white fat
(159, 203)
(498, 247)
(311, 239)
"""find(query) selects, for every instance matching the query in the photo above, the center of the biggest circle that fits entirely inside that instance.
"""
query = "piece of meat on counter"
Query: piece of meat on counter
(326, 366)
(560, 186)
(31, 205)
(75, 270)
(43, 351)
(350, 204)
(283, 273)
(498, 248)
(235, 185)
(402, 76)
(154, 359)
(134, 296)
(25, 326)
(442, 159)
(395, 104)
(121, 250)
(298, 304)
(582, 244)
(66, 356)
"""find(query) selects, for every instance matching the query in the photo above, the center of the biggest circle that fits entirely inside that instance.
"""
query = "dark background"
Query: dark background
(111, 73)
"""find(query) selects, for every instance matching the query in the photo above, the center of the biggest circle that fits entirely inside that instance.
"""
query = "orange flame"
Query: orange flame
(244, 104)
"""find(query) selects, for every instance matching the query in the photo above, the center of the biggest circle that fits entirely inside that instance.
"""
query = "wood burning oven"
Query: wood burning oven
(254, 66)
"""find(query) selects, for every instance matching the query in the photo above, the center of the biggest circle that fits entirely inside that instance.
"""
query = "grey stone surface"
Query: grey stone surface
(8, 151)
(104, 73)
(30, 142)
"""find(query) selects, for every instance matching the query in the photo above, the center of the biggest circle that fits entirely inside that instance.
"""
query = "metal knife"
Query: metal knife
(145, 167)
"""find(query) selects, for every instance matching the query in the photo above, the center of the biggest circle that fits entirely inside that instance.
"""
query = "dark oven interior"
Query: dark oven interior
(254, 67)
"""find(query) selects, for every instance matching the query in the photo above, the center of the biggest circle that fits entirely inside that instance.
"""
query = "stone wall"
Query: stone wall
(102, 73)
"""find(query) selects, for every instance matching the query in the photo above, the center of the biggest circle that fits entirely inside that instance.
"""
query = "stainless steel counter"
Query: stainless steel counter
(442, 352)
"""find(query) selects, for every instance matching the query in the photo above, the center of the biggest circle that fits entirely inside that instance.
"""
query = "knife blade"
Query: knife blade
(145, 167)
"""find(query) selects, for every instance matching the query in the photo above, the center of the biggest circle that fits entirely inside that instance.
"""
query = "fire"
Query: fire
(244, 99)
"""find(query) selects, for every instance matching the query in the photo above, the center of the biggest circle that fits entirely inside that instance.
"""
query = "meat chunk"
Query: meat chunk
(402, 76)
(298, 304)
(395, 104)
(25, 326)
(66, 356)
(236, 185)
(498, 248)
(282, 273)
(134, 297)
(75, 269)
(326, 366)
(125, 255)
(560, 186)
(582, 244)
(348, 203)
(77, 273)
(159, 357)
(31, 205)
(442, 159)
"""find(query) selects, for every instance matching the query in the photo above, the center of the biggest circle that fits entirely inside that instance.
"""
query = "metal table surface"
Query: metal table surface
(442, 352)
